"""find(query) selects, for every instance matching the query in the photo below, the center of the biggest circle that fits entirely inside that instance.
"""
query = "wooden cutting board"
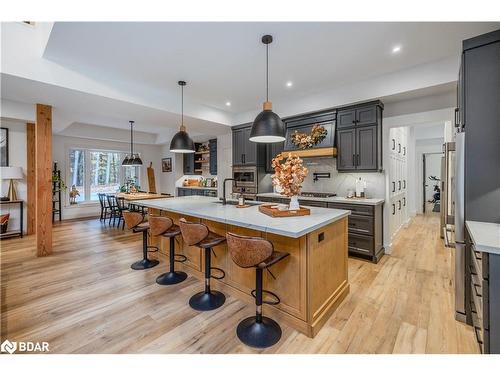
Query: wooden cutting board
(151, 178)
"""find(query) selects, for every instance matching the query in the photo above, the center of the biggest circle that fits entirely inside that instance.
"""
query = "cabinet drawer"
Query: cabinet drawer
(356, 209)
(360, 243)
(477, 261)
(307, 202)
(477, 326)
(361, 224)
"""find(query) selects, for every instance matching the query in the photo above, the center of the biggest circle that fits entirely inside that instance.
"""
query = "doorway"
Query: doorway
(431, 178)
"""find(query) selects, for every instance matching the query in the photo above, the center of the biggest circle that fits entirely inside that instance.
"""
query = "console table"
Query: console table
(19, 232)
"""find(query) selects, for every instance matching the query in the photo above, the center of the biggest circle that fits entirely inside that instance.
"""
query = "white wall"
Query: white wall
(17, 158)
(60, 150)
(339, 183)
(168, 179)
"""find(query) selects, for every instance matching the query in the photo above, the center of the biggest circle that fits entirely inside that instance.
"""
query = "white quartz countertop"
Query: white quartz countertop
(209, 208)
(366, 201)
(485, 236)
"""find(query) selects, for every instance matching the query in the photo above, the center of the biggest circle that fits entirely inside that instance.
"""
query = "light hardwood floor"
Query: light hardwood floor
(86, 299)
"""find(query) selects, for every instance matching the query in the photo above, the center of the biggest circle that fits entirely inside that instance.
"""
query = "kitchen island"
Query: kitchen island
(311, 282)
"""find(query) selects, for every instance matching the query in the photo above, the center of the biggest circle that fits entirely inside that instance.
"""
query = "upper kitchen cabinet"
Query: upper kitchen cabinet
(360, 116)
(246, 152)
(212, 147)
(359, 138)
(305, 123)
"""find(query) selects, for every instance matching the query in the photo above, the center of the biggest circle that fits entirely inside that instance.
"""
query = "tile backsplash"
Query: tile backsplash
(339, 183)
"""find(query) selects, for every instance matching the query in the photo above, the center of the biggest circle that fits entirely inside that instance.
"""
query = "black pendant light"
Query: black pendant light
(132, 160)
(181, 142)
(267, 126)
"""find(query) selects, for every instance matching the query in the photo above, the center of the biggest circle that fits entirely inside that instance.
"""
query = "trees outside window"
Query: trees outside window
(98, 171)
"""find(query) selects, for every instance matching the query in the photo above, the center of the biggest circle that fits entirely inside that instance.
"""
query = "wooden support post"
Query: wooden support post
(43, 158)
(31, 178)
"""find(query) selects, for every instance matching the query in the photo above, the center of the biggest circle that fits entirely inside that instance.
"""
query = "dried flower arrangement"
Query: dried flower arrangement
(289, 175)
(304, 141)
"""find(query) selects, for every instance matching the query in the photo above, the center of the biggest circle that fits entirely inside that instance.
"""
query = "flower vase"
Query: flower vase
(294, 203)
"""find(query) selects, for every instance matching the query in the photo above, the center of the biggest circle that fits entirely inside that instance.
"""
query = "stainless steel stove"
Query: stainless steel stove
(317, 195)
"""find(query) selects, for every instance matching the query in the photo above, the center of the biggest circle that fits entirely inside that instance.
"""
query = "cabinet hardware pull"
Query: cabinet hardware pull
(393, 144)
(399, 205)
(399, 185)
(399, 148)
(404, 201)
(404, 184)
(393, 186)
(393, 208)
(357, 160)
(404, 150)
(456, 117)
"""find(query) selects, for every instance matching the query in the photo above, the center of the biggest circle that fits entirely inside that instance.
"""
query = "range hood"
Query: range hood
(313, 152)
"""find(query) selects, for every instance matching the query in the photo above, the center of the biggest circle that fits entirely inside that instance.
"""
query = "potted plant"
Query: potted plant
(289, 174)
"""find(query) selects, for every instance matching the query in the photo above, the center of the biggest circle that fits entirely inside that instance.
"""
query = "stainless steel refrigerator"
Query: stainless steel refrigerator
(459, 208)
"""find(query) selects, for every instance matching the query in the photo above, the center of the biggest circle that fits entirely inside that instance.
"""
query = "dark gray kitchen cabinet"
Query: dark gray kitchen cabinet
(346, 118)
(359, 138)
(272, 149)
(366, 115)
(365, 229)
(188, 162)
(250, 154)
(238, 146)
(212, 146)
(246, 152)
(366, 148)
(346, 150)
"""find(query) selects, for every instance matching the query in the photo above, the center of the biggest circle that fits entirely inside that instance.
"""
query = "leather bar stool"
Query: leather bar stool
(164, 226)
(257, 331)
(135, 221)
(197, 234)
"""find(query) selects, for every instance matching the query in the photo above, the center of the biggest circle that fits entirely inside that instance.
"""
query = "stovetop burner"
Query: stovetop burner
(317, 195)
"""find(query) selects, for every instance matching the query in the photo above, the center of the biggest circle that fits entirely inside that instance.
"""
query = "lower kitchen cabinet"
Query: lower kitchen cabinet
(482, 296)
(365, 225)
(365, 228)
(184, 192)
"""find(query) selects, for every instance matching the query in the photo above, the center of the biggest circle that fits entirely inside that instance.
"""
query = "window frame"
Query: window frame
(87, 169)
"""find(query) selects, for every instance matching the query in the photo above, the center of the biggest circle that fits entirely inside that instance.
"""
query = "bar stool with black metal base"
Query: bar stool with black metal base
(135, 221)
(257, 331)
(164, 226)
(197, 234)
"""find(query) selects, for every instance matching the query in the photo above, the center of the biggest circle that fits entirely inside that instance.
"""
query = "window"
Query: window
(76, 172)
(98, 171)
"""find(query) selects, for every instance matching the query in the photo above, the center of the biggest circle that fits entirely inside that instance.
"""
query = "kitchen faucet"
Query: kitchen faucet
(224, 189)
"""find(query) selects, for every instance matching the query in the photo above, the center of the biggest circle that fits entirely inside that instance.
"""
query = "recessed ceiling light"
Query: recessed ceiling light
(289, 84)
(396, 49)
(228, 104)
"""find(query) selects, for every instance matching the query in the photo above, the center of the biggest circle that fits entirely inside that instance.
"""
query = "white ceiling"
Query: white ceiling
(226, 61)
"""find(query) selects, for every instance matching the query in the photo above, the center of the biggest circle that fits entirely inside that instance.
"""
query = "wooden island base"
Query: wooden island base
(311, 282)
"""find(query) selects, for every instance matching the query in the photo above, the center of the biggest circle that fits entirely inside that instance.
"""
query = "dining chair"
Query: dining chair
(114, 211)
(104, 206)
